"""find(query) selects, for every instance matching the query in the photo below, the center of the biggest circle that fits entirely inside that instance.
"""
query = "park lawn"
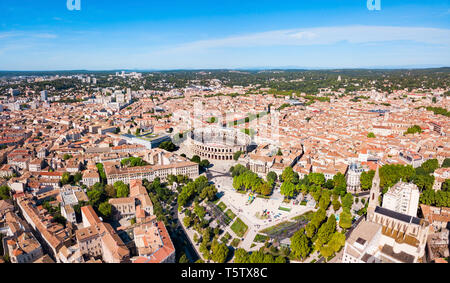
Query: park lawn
(230, 214)
(260, 238)
(222, 206)
(284, 209)
(239, 227)
(235, 242)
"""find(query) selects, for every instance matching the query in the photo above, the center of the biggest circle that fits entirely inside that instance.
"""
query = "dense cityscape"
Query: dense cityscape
(214, 166)
(216, 141)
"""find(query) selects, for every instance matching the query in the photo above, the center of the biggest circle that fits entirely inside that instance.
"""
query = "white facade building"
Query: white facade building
(402, 198)
(353, 177)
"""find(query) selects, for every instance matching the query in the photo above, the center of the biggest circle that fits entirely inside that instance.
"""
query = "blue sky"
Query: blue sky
(148, 34)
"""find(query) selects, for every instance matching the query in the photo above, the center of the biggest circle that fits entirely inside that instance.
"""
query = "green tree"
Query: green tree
(237, 155)
(110, 191)
(325, 200)
(257, 257)
(392, 173)
(300, 245)
(183, 259)
(337, 241)
(326, 251)
(268, 258)
(446, 185)
(430, 166)
(310, 230)
(122, 190)
(97, 195)
(279, 153)
(442, 199)
(199, 211)
(424, 182)
(67, 156)
(345, 219)
(209, 192)
(288, 174)
(272, 177)
(340, 184)
(5, 193)
(265, 189)
(427, 197)
(336, 205)
(317, 193)
(133, 162)
(168, 146)
(196, 159)
(219, 252)
(366, 179)
(326, 231)
(204, 163)
(65, 179)
(371, 135)
(316, 178)
(413, 130)
(101, 172)
(241, 256)
(446, 163)
(187, 221)
(319, 216)
(105, 209)
(347, 201)
(77, 178)
(238, 170)
(287, 189)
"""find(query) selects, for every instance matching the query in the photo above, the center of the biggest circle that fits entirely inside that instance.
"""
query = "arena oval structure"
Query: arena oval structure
(218, 143)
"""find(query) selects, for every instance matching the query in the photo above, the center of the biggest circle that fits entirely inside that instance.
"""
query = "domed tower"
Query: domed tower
(374, 195)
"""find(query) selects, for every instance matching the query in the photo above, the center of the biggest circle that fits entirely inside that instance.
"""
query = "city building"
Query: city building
(403, 198)
(44, 95)
(386, 236)
(100, 239)
(353, 177)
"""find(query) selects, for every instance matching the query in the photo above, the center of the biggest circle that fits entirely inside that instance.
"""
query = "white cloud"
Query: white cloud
(8, 34)
(26, 35)
(325, 36)
(45, 35)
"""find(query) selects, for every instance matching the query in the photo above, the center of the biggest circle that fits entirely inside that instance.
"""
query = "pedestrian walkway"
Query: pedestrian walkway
(248, 241)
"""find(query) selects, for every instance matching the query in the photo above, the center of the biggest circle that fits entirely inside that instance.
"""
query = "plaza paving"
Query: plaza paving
(238, 203)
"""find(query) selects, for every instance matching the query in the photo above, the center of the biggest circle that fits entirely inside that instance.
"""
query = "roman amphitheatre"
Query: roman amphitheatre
(216, 143)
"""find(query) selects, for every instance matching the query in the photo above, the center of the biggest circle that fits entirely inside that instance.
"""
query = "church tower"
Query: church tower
(374, 195)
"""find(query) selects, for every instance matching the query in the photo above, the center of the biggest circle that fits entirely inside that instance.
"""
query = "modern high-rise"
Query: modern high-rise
(44, 95)
(403, 198)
